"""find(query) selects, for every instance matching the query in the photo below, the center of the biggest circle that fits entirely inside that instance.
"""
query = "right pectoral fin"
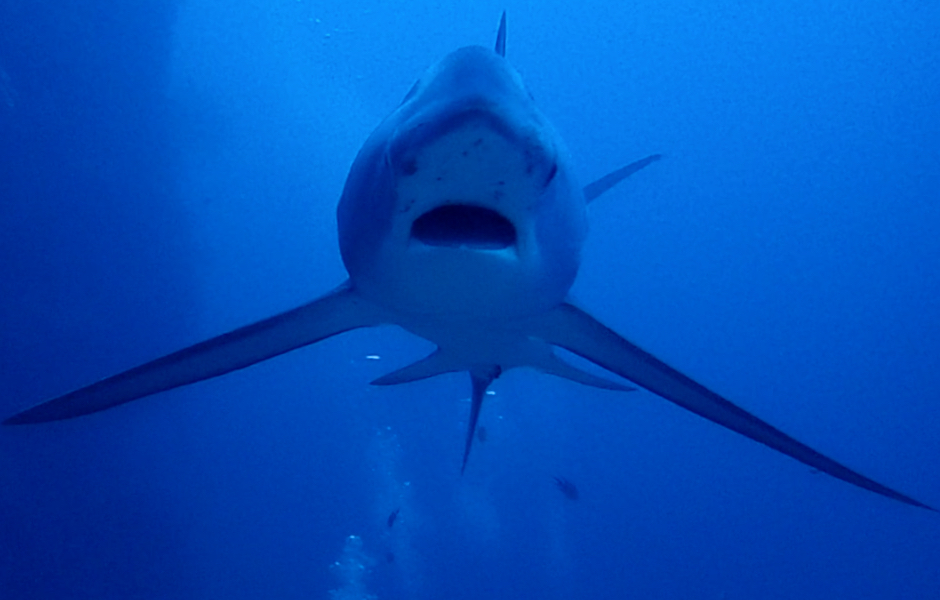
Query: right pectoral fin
(336, 312)
(596, 188)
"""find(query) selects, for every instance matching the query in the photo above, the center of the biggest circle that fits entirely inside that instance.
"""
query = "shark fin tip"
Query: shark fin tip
(501, 36)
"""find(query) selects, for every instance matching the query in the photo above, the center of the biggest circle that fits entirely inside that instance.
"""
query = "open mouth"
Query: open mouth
(464, 226)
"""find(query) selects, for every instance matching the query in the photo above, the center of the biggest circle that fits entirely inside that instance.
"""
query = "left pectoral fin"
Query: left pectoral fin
(336, 312)
(571, 328)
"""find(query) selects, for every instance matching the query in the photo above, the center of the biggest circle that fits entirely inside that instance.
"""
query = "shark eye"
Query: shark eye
(464, 225)
(408, 167)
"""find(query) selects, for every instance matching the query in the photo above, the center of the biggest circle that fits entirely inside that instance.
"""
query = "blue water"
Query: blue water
(170, 171)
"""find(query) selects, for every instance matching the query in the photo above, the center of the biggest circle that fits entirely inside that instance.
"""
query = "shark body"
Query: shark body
(461, 221)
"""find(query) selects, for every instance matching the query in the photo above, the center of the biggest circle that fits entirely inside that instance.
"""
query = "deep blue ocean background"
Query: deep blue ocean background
(170, 171)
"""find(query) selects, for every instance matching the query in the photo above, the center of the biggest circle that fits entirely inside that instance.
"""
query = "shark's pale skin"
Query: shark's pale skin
(461, 222)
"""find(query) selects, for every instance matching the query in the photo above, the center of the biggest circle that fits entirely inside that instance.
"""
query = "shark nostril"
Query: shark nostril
(551, 174)
(463, 225)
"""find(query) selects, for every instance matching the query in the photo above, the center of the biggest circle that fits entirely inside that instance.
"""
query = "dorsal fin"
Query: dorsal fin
(501, 36)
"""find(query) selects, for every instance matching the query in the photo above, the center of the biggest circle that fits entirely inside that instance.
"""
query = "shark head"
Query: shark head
(462, 203)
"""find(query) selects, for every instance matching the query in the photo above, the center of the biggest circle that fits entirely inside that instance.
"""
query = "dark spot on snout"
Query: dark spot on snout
(464, 225)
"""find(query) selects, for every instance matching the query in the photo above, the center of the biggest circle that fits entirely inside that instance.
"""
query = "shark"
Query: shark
(462, 222)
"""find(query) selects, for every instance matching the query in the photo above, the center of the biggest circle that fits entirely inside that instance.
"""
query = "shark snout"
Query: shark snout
(468, 127)
(469, 177)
